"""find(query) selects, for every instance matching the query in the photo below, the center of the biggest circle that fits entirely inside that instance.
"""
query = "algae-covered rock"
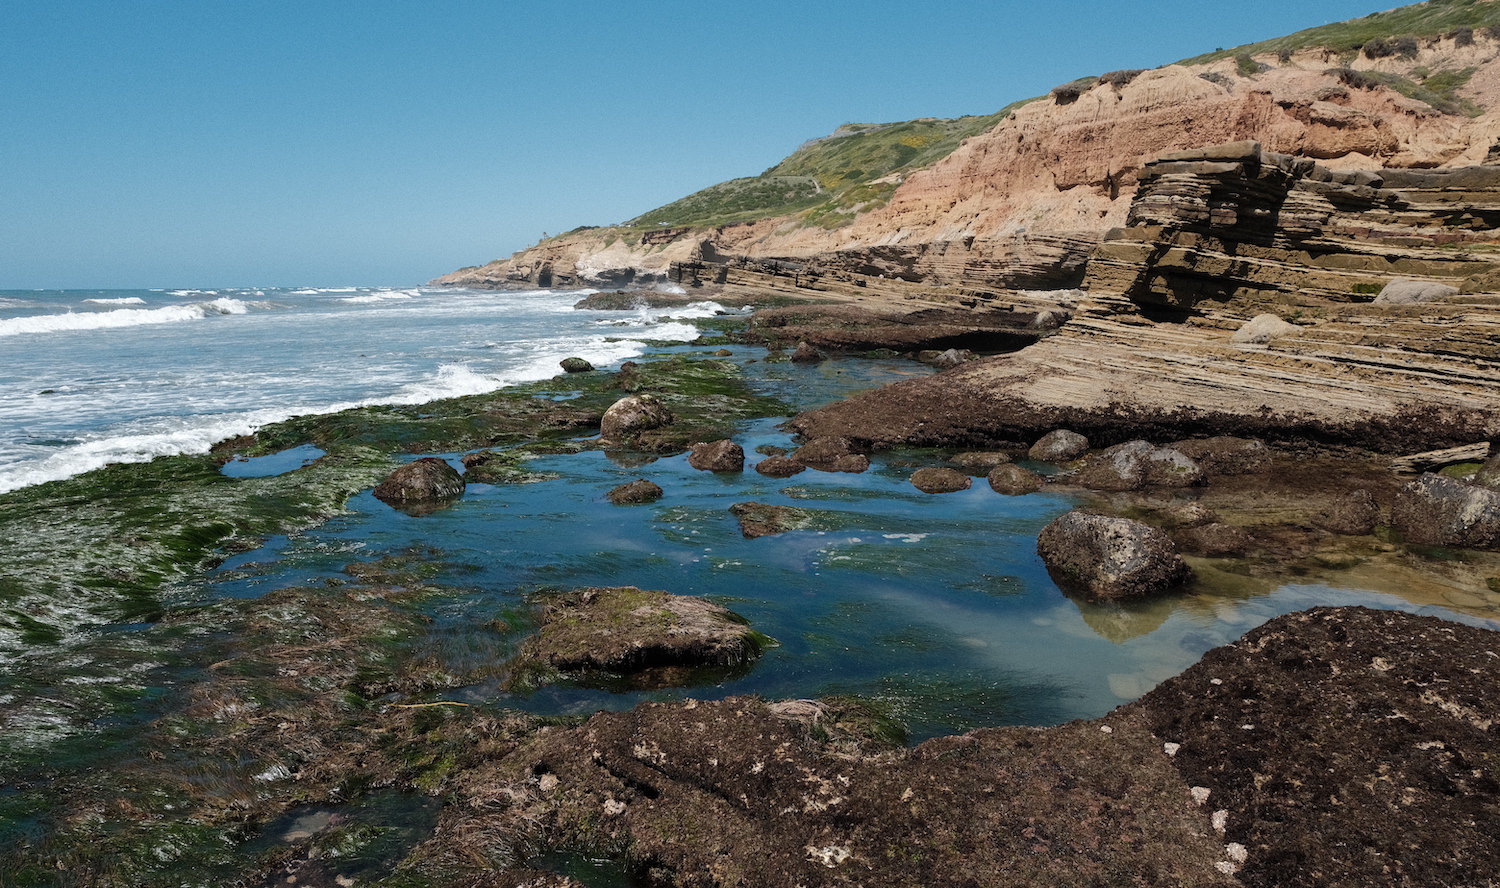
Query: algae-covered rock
(1353, 514)
(940, 480)
(501, 467)
(425, 483)
(1214, 540)
(575, 365)
(1110, 558)
(717, 456)
(625, 629)
(632, 415)
(1012, 480)
(1225, 454)
(805, 353)
(1059, 445)
(635, 492)
(979, 460)
(763, 519)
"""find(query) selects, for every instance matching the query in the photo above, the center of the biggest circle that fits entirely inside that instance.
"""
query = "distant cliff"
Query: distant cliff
(1016, 199)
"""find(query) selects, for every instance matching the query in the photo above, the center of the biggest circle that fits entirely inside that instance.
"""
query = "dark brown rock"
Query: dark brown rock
(981, 461)
(632, 415)
(717, 456)
(575, 365)
(1354, 514)
(1059, 445)
(1346, 748)
(423, 483)
(1012, 480)
(1110, 558)
(1216, 540)
(1438, 511)
(779, 467)
(805, 354)
(831, 455)
(1225, 454)
(635, 492)
(1489, 473)
(940, 480)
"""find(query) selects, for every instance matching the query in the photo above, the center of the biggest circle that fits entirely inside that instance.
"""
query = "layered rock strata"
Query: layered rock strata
(1217, 238)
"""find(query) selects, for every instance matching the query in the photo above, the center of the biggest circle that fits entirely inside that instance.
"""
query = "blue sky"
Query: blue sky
(214, 143)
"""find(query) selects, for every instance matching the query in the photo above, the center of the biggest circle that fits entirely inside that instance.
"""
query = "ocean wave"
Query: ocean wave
(120, 317)
(126, 300)
(384, 296)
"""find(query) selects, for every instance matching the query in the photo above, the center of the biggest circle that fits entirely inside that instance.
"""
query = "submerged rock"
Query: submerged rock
(763, 519)
(1438, 511)
(635, 492)
(1058, 446)
(632, 415)
(806, 354)
(981, 460)
(1353, 514)
(1214, 540)
(1012, 480)
(625, 629)
(940, 480)
(422, 485)
(717, 456)
(1110, 558)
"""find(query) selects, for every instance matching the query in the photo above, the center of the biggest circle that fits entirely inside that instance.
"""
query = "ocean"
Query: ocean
(95, 377)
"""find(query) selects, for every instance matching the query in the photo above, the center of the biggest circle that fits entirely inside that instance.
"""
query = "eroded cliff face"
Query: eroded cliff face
(1018, 206)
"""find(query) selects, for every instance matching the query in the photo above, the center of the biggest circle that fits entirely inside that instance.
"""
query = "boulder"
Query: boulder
(423, 484)
(940, 480)
(1110, 558)
(779, 467)
(946, 359)
(763, 519)
(831, 455)
(1059, 446)
(982, 461)
(805, 354)
(1215, 540)
(635, 492)
(1012, 480)
(717, 456)
(1353, 514)
(632, 415)
(1402, 291)
(624, 630)
(575, 365)
(1137, 464)
(1437, 511)
(1262, 329)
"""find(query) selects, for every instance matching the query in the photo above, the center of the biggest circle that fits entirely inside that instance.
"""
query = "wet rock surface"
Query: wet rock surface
(779, 467)
(575, 365)
(1059, 445)
(831, 455)
(632, 415)
(763, 519)
(1137, 464)
(1346, 746)
(635, 492)
(717, 456)
(625, 629)
(979, 460)
(1110, 558)
(940, 480)
(1012, 480)
(1438, 511)
(424, 484)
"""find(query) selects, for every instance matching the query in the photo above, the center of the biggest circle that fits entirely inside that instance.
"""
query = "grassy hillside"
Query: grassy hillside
(1430, 19)
(827, 181)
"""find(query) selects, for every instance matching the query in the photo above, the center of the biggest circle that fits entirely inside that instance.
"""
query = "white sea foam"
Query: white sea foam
(378, 297)
(12, 303)
(127, 300)
(120, 317)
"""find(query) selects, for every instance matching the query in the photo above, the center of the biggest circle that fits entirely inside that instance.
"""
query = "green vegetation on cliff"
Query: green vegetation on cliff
(1430, 19)
(829, 180)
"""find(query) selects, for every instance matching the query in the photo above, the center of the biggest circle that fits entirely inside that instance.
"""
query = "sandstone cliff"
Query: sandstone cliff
(1020, 204)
